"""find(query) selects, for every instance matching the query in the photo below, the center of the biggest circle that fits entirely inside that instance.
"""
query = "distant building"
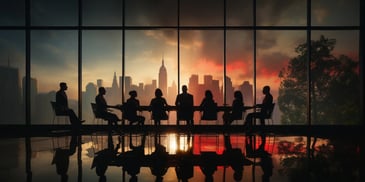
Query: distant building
(162, 78)
(11, 111)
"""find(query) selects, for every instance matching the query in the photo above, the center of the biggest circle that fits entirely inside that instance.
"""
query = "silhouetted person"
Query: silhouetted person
(208, 165)
(237, 109)
(102, 108)
(159, 161)
(185, 106)
(208, 106)
(158, 107)
(130, 109)
(234, 158)
(62, 106)
(61, 158)
(132, 160)
(265, 108)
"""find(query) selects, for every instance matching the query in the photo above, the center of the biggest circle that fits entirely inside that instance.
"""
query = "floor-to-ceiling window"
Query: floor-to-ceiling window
(221, 45)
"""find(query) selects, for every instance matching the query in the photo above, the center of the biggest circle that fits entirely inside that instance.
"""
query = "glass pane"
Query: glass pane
(12, 71)
(335, 78)
(201, 13)
(284, 13)
(53, 60)
(54, 13)
(201, 64)
(151, 13)
(148, 55)
(12, 13)
(284, 70)
(101, 66)
(102, 13)
(240, 66)
(239, 12)
(336, 12)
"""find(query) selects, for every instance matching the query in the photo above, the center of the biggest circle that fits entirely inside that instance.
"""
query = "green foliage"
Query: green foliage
(334, 86)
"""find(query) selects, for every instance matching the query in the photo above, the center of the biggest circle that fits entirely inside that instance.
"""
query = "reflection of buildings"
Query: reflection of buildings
(10, 98)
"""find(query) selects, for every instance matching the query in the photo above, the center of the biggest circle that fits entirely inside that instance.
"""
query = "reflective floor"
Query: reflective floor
(169, 156)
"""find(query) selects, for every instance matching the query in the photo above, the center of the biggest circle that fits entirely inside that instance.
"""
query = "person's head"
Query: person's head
(238, 95)
(184, 88)
(158, 92)
(102, 90)
(266, 89)
(208, 94)
(63, 85)
(133, 93)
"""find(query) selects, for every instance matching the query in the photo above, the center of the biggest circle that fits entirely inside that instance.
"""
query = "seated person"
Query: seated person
(62, 106)
(102, 108)
(185, 106)
(237, 109)
(158, 107)
(209, 107)
(130, 109)
(265, 108)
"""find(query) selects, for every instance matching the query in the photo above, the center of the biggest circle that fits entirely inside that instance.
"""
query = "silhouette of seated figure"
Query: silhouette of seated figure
(130, 109)
(158, 107)
(61, 158)
(208, 107)
(208, 164)
(61, 106)
(185, 106)
(237, 109)
(265, 108)
(102, 108)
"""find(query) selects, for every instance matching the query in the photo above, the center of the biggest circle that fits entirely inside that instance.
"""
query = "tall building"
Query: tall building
(247, 90)
(162, 78)
(10, 95)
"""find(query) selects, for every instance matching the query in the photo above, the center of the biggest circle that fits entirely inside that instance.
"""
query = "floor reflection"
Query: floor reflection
(179, 156)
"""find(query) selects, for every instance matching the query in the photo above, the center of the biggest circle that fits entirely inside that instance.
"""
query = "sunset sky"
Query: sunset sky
(54, 52)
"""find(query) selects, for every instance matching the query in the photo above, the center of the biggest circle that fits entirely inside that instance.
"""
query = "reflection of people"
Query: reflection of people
(184, 168)
(62, 105)
(130, 109)
(158, 107)
(61, 158)
(208, 164)
(234, 158)
(103, 158)
(159, 161)
(265, 108)
(266, 166)
(266, 162)
(132, 160)
(185, 106)
(237, 109)
(102, 108)
(208, 106)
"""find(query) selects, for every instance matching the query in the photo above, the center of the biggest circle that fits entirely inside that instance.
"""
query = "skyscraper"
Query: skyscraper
(162, 78)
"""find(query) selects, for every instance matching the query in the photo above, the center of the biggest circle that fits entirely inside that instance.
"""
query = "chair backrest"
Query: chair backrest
(56, 111)
(210, 112)
(95, 110)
